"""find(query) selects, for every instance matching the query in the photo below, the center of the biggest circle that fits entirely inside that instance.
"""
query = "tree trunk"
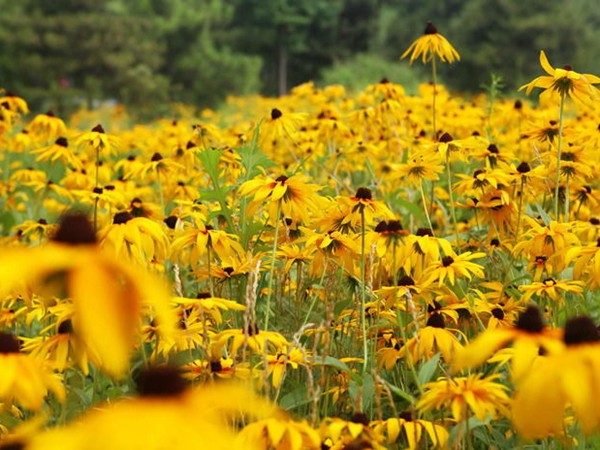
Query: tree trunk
(282, 72)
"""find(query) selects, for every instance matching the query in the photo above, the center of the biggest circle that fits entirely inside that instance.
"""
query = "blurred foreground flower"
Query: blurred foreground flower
(165, 415)
(108, 295)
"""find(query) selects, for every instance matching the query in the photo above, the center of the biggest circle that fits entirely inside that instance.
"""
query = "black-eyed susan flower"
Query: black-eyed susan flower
(558, 380)
(165, 415)
(278, 363)
(565, 82)
(280, 125)
(551, 288)
(338, 434)
(432, 44)
(528, 336)
(98, 141)
(292, 196)
(434, 337)
(415, 432)
(453, 266)
(249, 337)
(280, 433)
(108, 317)
(24, 379)
(482, 397)
(47, 127)
(138, 239)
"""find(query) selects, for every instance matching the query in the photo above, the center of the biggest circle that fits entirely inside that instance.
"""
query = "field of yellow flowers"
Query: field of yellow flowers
(324, 270)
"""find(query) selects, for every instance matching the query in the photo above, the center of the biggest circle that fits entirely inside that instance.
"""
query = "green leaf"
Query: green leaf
(412, 208)
(428, 369)
(337, 364)
(294, 399)
(400, 393)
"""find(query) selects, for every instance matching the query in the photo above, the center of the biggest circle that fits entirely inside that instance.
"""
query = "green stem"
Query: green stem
(96, 186)
(452, 209)
(559, 156)
(520, 212)
(425, 205)
(363, 293)
(434, 80)
(272, 271)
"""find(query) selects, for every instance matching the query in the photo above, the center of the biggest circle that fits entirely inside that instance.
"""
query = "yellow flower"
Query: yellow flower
(565, 82)
(430, 45)
(453, 266)
(47, 126)
(59, 150)
(482, 397)
(432, 338)
(137, 239)
(23, 378)
(165, 415)
(253, 338)
(413, 431)
(292, 196)
(98, 140)
(527, 337)
(566, 378)
(277, 364)
(338, 434)
(551, 288)
(421, 166)
(279, 125)
(276, 433)
(109, 295)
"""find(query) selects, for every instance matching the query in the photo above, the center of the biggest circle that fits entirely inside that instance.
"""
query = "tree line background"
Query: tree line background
(149, 53)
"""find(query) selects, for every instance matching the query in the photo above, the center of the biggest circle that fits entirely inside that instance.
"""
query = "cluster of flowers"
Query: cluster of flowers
(352, 257)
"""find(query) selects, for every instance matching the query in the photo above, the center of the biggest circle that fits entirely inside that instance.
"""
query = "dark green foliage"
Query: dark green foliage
(62, 53)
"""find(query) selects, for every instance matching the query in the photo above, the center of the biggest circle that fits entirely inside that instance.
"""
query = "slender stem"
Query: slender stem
(272, 271)
(160, 190)
(211, 286)
(434, 81)
(425, 204)
(559, 156)
(95, 187)
(520, 212)
(451, 193)
(433, 112)
(567, 200)
(363, 293)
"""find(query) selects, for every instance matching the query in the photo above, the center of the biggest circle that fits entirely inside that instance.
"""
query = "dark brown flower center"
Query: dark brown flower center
(75, 228)
(171, 221)
(523, 167)
(8, 343)
(436, 320)
(446, 137)
(122, 217)
(530, 320)
(424, 232)
(447, 260)
(406, 281)
(156, 157)
(276, 114)
(580, 330)
(161, 381)
(360, 417)
(430, 28)
(498, 313)
(98, 129)
(65, 327)
(62, 141)
(364, 193)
